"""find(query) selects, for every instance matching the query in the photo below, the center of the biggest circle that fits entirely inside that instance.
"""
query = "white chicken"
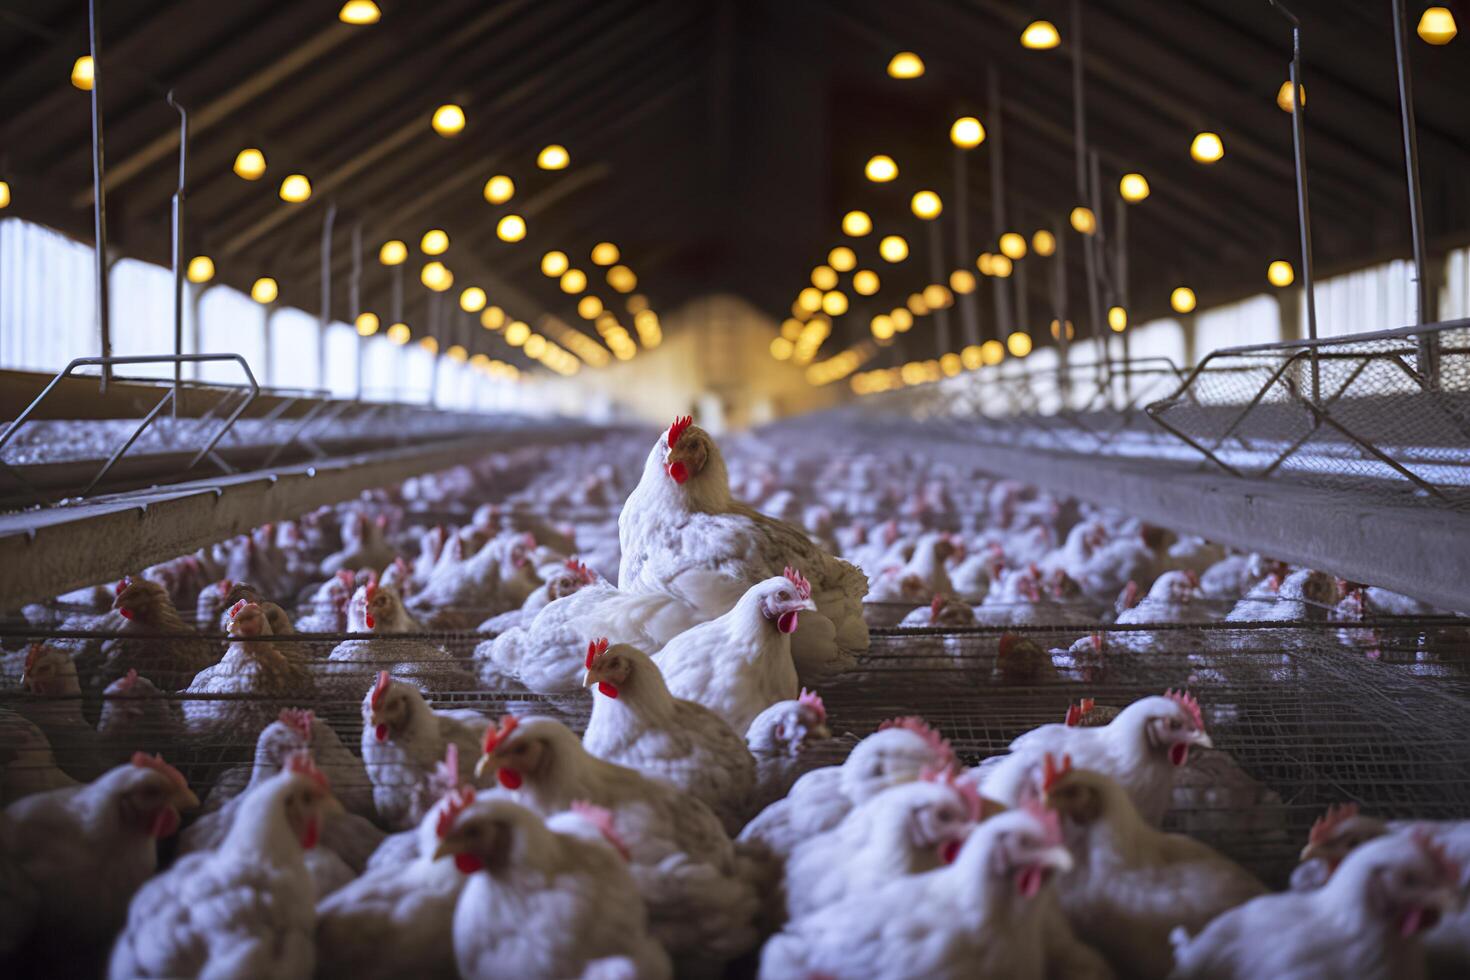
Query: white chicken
(546, 900)
(1141, 748)
(355, 662)
(682, 533)
(923, 576)
(784, 739)
(1367, 921)
(245, 909)
(1131, 885)
(637, 723)
(146, 609)
(741, 663)
(86, 850)
(700, 903)
(136, 715)
(252, 665)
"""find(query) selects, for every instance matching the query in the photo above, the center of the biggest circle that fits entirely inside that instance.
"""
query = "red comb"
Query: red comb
(371, 589)
(1051, 824)
(1336, 815)
(1076, 712)
(1448, 868)
(380, 689)
(938, 744)
(239, 607)
(1186, 701)
(33, 654)
(298, 719)
(446, 770)
(677, 429)
(494, 736)
(1130, 594)
(1099, 641)
(122, 583)
(300, 763)
(1050, 773)
(128, 680)
(603, 821)
(935, 605)
(803, 587)
(595, 649)
(346, 577)
(813, 700)
(581, 571)
(145, 761)
(455, 803)
(224, 586)
(964, 788)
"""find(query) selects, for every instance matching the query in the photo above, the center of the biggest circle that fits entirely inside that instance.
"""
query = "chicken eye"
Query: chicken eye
(1175, 723)
(783, 595)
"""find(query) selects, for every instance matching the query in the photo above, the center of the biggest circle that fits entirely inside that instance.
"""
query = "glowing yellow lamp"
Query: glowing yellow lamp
(856, 224)
(359, 13)
(250, 164)
(1040, 35)
(573, 281)
(824, 277)
(1133, 187)
(393, 252)
(493, 318)
(1437, 26)
(1283, 96)
(4, 194)
(1083, 220)
(436, 276)
(1117, 319)
(430, 344)
(966, 133)
(1182, 299)
(621, 278)
(554, 263)
(605, 253)
(1043, 243)
(926, 205)
(399, 334)
(1019, 344)
(881, 327)
(499, 189)
(367, 324)
(881, 169)
(1207, 147)
(434, 242)
(517, 333)
(865, 282)
(1000, 266)
(588, 307)
(905, 65)
(295, 188)
(511, 228)
(902, 319)
(264, 290)
(83, 73)
(553, 157)
(1280, 273)
(893, 248)
(962, 281)
(473, 299)
(834, 303)
(1013, 245)
(448, 120)
(200, 269)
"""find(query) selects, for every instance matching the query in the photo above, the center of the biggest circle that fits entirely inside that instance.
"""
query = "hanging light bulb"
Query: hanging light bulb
(1000, 266)
(499, 189)
(1283, 96)
(893, 248)
(1019, 344)
(511, 228)
(902, 319)
(936, 297)
(535, 346)
(264, 290)
(962, 281)
(1117, 319)
(880, 169)
(824, 277)
(1207, 147)
(1043, 243)
(1133, 188)
(972, 357)
(250, 164)
(473, 299)
(430, 344)
(1013, 245)
(1040, 35)
(1056, 330)
(448, 120)
(393, 252)
(434, 242)
(1437, 26)
(834, 303)
(436, 276)
(605, 253)
(589, 307)
(842, 259)
(983, 261)
(457, 354)
(856, 224)
(917, 305)
(295, 189)
(621, 278)
(926, 205)
(791, 328)
(1083, 220)
(200, 270)
(809, 299)
(1280, 273)
(992, 352)
(553, 157)
(966, 133)
(359, 12)
(905, 65)
(400, 334)
(554, 263)
(865, 282)
(782, 349)
(4, 195)
(517, 333)
(367, 324)
(493, 318)
(83, 73)
(573, 281)
(1182, 299)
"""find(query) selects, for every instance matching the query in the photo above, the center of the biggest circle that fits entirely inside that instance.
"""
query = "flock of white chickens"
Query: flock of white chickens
(648, 796)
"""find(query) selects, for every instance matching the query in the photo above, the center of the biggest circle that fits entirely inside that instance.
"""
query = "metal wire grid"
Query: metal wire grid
(1302, 717)
(1358, 412)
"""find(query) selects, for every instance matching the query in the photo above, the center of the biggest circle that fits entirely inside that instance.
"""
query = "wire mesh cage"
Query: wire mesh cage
(1385, 413)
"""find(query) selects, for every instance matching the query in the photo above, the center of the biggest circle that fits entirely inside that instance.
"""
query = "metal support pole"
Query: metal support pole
(354, 298)
(1079, 136)
(398, 293)
(328, 221)
(1097, 252)
(99, 196)
(936, 272)
(969, 315)
(1059, 306)
(1003, 321)
(1120, 260)
(269, 374)
(178, 229)
(1428, 345)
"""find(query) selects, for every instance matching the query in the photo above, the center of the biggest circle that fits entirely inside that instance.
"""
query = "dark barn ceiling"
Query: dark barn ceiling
(718, 143)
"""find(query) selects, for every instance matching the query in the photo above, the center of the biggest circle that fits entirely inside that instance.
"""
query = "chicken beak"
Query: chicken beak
(1309, 852)
(184, 799)
(808, 606)
(1202, 740)
(330, 804)
(588, 677)
(446, 847)
(821, 731)
(484, 762)
(1057, 857)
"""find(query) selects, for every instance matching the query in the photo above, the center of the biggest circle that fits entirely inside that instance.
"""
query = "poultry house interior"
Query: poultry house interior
(654, 488)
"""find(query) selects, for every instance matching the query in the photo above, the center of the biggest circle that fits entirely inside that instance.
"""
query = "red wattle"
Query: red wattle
(1179, 753)
(678, 471)
(312, 833)
(607, 689)
(1029, 881)
(126, 613)
(381, 733)
(509, 778)
(948, 851)
(786, 622)
(370, 621)
(165, 822)
(467, 863)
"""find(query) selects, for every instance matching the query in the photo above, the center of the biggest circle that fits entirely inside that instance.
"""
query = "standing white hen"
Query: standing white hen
(683, 533)
(245, 909)
(741, 663)
(637, 723)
